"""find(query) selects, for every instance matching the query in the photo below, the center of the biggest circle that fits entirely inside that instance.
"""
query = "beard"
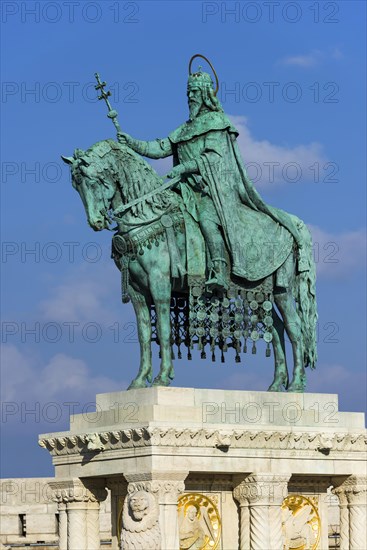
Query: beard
(194, 109)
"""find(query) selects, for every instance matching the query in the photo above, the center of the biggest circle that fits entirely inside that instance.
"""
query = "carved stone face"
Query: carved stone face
(191, 513)
(195, 100)
(139, 505)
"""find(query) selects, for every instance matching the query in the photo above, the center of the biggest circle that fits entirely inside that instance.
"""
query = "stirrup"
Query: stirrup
(217, 282)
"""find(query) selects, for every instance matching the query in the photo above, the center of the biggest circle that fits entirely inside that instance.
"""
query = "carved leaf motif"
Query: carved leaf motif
(115, 436)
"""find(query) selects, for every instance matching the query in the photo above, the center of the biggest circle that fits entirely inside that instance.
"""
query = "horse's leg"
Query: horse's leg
(292, 322)
(280, 371)
(141, 303)
(160, 288)
(162, 300)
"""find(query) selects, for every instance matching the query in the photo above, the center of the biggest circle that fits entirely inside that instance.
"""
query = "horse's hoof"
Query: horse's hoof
(275, 386)
(137, 383)
(159, 381)
(279, 383)
(296, 388)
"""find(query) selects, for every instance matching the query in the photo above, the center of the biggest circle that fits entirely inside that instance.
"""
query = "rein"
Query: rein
(159, 189)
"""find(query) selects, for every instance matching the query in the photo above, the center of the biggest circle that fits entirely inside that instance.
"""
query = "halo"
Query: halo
(211, 66)
(191, 503)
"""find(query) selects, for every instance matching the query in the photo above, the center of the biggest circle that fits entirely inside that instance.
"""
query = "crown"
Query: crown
(201, 79)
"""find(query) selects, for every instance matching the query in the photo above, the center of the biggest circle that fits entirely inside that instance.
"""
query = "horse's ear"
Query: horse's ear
(68, 160)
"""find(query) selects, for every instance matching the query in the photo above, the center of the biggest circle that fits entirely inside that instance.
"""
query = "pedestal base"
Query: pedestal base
(244, 451)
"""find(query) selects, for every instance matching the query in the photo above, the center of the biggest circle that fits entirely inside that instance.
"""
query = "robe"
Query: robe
(259, 237)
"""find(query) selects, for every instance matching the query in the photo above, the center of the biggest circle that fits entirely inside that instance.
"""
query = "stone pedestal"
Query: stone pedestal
(242, 450)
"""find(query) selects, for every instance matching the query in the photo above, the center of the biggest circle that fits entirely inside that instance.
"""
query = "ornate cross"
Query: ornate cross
(112, 114)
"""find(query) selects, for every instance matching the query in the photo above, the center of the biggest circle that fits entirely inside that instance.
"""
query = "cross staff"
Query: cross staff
(112, 114)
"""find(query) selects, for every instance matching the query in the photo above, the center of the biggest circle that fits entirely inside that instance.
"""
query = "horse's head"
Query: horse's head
(93, 178)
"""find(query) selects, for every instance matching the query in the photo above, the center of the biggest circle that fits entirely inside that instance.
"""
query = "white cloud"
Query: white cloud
(271, 163)
(337, 255)
(347, 383)
(268, 163)
(311, 59)
(25, 378)
(89, 293)
(306, 60)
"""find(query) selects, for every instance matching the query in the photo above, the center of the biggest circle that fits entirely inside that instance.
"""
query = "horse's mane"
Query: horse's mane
(134, 175)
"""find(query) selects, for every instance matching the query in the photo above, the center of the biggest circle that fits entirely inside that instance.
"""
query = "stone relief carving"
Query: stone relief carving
(301, 523)
(140, 527)
(94, 442)
(199, 522)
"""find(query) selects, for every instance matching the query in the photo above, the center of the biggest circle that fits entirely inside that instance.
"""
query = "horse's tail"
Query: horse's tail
(305, 296)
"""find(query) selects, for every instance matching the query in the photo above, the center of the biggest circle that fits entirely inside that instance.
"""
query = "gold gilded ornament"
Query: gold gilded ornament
(301, 523)
(199, 522)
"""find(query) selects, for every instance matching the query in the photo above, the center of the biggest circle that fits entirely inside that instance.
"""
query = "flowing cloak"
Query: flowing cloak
(259, 237)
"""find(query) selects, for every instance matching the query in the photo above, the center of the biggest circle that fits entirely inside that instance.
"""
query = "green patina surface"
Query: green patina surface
(203, 256)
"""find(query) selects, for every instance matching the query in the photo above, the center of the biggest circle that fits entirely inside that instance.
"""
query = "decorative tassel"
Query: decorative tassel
(268, 351)
(254, 348)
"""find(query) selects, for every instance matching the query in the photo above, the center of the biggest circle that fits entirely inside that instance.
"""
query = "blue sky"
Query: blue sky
(292, 77)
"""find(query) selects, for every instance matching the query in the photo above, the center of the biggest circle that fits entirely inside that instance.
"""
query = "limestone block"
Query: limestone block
(37, 523)
(105, 522)
(10, 524)
(229, 516)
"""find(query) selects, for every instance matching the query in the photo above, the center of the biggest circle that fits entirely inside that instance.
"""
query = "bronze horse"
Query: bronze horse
(108, 176)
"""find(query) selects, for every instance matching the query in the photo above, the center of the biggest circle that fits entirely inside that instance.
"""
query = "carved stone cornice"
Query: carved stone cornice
(202, 437)
(74, 490)
(352, 491)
